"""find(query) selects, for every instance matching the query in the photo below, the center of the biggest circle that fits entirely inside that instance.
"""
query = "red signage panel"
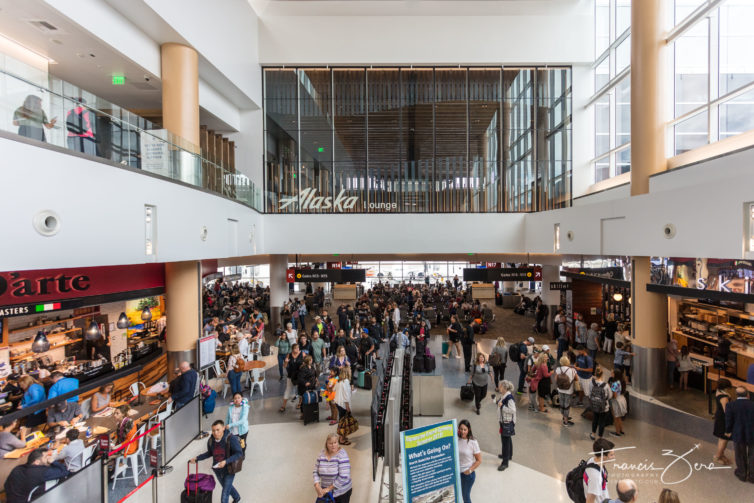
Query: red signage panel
(290, 275)
(22, 287)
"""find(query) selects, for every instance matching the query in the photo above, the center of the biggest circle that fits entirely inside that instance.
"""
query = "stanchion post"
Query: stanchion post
(105, 480)
(154, 485)
(164, 468)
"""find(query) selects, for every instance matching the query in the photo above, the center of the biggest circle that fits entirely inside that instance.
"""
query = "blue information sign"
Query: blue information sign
(430, 464)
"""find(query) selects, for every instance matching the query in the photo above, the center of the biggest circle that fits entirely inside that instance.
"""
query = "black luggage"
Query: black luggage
(310, 412)
(429, 363)
(196, 497)
(419, 364)
(467, 393)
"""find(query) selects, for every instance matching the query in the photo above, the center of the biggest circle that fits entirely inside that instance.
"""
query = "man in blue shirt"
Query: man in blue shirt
(584, 366)
(186, 385)
(62, 385)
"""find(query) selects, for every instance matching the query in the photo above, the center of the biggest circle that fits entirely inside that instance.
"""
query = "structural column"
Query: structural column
(183, 301)
(649, 330)
(551, 298)
(278, 288)
(649, 313)
(180, 106)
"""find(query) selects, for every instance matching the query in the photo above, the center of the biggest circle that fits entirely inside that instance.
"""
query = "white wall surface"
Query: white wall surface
(223, 32)
(215, 103)
(101, 210)
(556, 36)
(249, 143)
(704, 202)
(394, 233)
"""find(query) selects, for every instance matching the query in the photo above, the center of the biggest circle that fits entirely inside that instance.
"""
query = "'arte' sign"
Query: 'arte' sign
(24, 287)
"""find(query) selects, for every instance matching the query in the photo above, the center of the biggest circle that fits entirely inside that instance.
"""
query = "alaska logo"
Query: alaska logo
(311, 201)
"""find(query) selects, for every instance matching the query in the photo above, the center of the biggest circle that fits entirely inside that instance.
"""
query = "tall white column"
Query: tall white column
(278, 288)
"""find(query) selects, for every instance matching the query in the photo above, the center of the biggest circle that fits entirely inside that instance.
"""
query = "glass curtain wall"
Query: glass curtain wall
(713, 70)
(611, 102)
(417, 140)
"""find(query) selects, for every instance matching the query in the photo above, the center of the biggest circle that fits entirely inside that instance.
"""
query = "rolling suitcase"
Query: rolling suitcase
(310, 412)
(467, 393)
(198, 487)
(429, 363)
(418, 364)
(359, 380)
(445, 346)
(366, 380)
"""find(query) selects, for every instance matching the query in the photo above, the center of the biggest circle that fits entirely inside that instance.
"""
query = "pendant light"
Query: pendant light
(617, 297)
(93, 332)
(40, 344)
(122, 321)
(146, 314)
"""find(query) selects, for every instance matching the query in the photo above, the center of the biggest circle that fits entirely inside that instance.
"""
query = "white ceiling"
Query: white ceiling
(85, 61)
(410, 7)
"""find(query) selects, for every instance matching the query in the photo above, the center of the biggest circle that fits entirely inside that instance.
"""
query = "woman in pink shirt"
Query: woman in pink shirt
(541, 382)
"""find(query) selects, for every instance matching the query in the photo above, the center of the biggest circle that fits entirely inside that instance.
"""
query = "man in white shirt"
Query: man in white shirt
(243, 346)
(71, 453)
(396, 316)
(291, 334)
(595, 475)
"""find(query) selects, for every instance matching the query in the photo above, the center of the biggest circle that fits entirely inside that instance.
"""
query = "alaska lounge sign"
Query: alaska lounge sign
(25, 287)
(310, 201)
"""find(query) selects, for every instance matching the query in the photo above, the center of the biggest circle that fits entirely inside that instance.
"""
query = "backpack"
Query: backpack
(514, 353)
(496, 359)
(562, 381)
(598, 397)
(265, 349)
(574, 481)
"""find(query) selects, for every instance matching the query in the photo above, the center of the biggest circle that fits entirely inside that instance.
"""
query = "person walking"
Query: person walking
(722, 398)
(506, 407)
(480, 379)
(498, 360)
(454, 336)
(343, 399)
(293, 363)
(284, 347)
(469, 458)
(685, 365)
(595, 474)
(224, 448)
(524, 348)
(593, 340)
(332, 471)
(565, 379)
(541, 381)
(618, 405)
(234, 378)
(598, 402)
(610, 328)
(668, 496)
(467, 343)
(739, 423)
(237, 419)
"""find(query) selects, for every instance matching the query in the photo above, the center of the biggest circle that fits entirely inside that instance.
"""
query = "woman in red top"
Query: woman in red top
(541, 381)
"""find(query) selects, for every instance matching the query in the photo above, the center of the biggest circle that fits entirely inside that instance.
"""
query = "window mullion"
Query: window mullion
(713, 133)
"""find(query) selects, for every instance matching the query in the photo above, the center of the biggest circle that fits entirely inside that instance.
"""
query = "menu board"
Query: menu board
(206, 347)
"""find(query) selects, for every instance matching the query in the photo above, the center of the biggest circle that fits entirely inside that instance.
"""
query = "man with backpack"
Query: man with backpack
(225, 449)
(587, 483)
(518, 353)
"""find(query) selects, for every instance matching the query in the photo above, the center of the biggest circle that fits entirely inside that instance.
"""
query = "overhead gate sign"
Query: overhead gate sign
(503, 274)
(329, 275)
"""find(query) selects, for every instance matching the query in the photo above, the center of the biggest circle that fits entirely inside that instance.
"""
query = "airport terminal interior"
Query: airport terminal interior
(413, 251)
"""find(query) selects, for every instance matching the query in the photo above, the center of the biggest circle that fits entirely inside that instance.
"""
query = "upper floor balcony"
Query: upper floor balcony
(46, 110)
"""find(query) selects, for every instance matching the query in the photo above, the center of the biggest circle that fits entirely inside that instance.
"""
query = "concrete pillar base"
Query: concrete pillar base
(649, 374)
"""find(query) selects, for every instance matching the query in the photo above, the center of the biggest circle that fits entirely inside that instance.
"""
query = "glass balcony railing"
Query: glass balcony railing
(39, 106)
